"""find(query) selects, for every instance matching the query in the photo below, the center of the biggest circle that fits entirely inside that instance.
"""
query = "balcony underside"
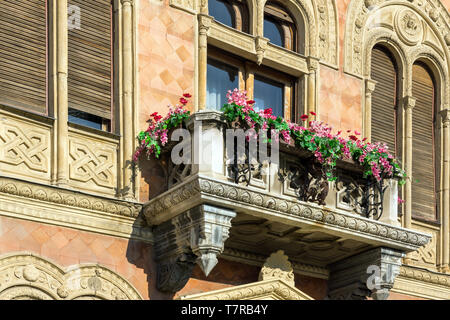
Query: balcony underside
(308, 233)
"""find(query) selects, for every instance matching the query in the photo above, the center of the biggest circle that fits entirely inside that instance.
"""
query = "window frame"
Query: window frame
(277, 14)
(247, 71)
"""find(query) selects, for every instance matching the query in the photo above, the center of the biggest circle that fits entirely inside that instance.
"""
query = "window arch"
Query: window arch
(425, 143)
(233, 13)
(282, 29)
(384, 123)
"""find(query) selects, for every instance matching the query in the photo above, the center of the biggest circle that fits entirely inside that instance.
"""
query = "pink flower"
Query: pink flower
(400, 201)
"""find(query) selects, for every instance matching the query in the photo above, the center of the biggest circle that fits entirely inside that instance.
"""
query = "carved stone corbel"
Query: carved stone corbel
(195, 236)
(368, 274)
(260, 46)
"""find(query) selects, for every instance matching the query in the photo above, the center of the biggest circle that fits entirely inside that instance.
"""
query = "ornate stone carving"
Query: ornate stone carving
(260, 46)
(92, 164)
(371, 273)
(277, 266)
(66, 197)
(27, 276)
(262, 290)
(24, 148)
(409, 27)
(197, 235)
(263, 203)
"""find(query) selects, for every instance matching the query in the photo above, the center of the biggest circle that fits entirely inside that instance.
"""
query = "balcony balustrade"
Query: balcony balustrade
(214, 205)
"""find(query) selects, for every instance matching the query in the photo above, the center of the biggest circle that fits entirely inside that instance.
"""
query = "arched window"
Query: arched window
(233, 13)
(425, 150)
(384, 99)
(282, 30)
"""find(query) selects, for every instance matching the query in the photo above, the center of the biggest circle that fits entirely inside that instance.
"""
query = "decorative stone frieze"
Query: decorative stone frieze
(27, 276)
(368, 274)
(194, 236)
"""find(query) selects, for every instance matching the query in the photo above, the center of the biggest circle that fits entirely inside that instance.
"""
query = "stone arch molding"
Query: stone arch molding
(25, 276)
(321, 21)
(417, 28)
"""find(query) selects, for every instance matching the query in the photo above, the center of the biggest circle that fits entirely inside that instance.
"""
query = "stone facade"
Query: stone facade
(78, 221)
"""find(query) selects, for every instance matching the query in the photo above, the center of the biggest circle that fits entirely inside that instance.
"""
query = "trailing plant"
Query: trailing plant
(155, 137)
(314, 136)
(317, 137)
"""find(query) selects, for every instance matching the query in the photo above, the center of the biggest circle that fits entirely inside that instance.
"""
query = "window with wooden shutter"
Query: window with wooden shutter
(423, 143)
(384, 98)
(90, 65)
(23, 54)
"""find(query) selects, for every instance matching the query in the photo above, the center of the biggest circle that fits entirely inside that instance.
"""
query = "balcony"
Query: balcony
(211, 206)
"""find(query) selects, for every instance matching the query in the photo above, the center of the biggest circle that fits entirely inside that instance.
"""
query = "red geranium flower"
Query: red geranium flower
(354, 138)
(313, 113)
(187, 95)
(268, 111)
(250, 102)
(304, 117)
(183, 101)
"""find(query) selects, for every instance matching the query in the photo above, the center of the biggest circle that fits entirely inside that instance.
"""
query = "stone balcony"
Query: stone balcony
(331, 230)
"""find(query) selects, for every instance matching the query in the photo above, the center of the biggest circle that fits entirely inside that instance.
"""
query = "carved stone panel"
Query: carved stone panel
(25, 276)
(93, 163)
(24, 148)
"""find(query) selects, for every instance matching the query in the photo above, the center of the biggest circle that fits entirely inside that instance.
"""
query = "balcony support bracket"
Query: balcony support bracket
(368, 274)
(194, 236)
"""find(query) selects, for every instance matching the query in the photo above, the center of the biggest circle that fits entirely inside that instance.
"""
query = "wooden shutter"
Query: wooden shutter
(90, 59)
(384, 98)
(423, 163)
(23, 54)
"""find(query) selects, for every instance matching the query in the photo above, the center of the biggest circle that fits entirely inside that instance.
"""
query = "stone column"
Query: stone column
(204, 23)
(313, 66)
(260, 17)
(62, 100)
(127, 98)
(408, 105)
(369, 88)
(445, 210)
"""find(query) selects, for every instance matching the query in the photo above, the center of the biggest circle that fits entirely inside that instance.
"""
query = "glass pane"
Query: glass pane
(222, 12)
(220, 79)
(85, 119)
(269, 94)
(274, 32)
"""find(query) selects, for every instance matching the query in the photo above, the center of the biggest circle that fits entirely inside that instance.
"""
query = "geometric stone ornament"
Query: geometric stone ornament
(277, 266)
(368, 274)
(26, 276)
(194, 236)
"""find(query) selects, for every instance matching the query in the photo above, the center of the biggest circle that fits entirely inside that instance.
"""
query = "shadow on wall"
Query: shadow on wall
(140, 254)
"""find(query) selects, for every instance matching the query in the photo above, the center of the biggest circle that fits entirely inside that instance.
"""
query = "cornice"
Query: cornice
(425, 276)
(63, 207)
(199, 189)
(68, 197)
